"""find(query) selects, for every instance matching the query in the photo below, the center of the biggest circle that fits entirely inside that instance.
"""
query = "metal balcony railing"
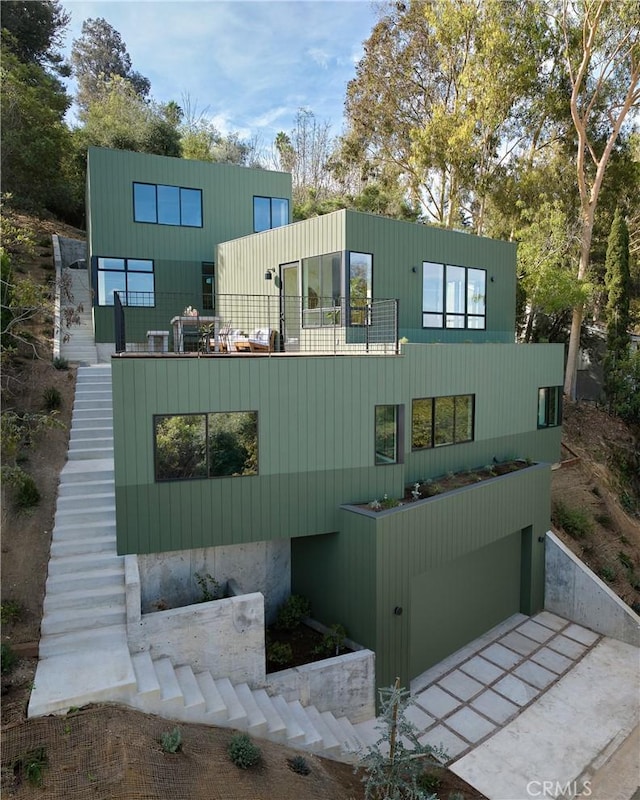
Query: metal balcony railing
(174, 324)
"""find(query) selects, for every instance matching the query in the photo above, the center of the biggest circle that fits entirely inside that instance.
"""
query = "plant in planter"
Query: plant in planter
(292, 612)
(333, 641)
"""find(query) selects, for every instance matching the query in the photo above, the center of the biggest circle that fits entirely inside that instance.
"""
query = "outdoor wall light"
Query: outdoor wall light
(397, 611)
(541, 539)
(268, 275)
(492, 279)
(414, 269)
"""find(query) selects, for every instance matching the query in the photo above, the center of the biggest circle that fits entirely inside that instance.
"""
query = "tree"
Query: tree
(99, 55)
(601, 42)
(32, 31)
(618, 286)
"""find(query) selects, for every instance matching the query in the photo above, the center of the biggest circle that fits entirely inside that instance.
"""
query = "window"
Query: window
(133, 278)
(453, 297)
(438, 421)
(550, 407)
(216, 445)
(321, 282)
(207, 286)
(270, 212)
(387, 434)
(167, 205)
(360, 275)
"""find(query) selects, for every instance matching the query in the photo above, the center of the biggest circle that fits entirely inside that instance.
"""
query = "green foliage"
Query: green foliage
(34, 31)
(209, 587)
(332, 642)
(10, 611)
(625, 560)
(574, 521)
(31, 766)
(172, 742)
(299, 765)
(19, 431)
(608, 573)
(279, 653)
(394, 765)
(243, 752)
(51, 398)
(618, 286)
(8, 657)
(292, 612)
(623, 382)
(60, 363)
(25, 493)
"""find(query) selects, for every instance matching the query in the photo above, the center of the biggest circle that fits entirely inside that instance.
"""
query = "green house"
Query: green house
(331, 362)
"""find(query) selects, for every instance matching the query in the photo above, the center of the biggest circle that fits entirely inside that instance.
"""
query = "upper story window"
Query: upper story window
(360, 288)
(321, 290)
(269, 212)
(132, 278)
(388, 434)
(438, 421)
(167, 205)
(549, 406)
(453, 297)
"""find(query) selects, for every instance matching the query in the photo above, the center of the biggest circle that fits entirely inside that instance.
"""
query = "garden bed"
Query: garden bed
(307, 645)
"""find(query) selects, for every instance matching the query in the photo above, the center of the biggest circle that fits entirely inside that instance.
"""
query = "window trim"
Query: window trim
(270, 199)
(180, 189)
(97, 270)
(399, 434)
(434, 445)
(347, 282)
(547, 405)
(443, 312)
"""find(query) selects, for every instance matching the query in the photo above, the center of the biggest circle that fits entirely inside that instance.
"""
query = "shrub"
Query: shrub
(243, 752)
(51, 398)
(172, 742)
(298, 764)
(332, 642)
(25, 491)
(8, 658)
(576, 522)
(209, 587)
(625, 560)
(31, 766)
(10, 611)
(60, 363)
(279, 652)
(608, 573)
(292, 612)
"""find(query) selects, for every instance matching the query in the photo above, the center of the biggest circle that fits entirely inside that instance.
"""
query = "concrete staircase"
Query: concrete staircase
(77, 342)
(84, 654)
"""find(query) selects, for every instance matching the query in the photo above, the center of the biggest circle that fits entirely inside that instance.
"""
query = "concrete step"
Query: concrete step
(170, 692)
(89, 453)
(312, 739)
(236, 715)
(86, 516)
(148, 695)
(70, 501)
(276, 727)
(89, 442)
(215, 709)
(330, 744)
(89, 562)
(86, 489)
(86, 433)
(87, 579)
(78, 546)
(92, 416)
(65, 620)
(92, 391)
(256, 720)
(79, 473)
(295, 735)
(351, 742)
(84, 530)
(94, 639)
(92, 404)
(80, 598)
(194, 702)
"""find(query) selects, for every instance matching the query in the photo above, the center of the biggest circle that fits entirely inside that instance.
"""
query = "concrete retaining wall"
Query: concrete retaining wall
(344, 685)
(226, 637)
(573, 591)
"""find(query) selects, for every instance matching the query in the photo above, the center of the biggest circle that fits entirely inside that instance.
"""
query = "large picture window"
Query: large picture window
(132, 278)
(321, 282)
(270, 212)
(387, 428)
(216, 445)
(453, 297)
(360, 288)
(167, 205)
(549, 406)
(438, 421)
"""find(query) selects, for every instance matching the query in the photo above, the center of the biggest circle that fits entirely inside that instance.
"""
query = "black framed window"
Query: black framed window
(438, 421)
(269, 212)
(207, 285)
(453, 297)
(388, 434)
(549, 406)
(214, 445)
(321, 290)
(133, 278)
(167, 205)
(360, 288)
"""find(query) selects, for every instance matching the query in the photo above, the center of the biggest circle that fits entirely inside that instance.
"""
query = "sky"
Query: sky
(251, 64)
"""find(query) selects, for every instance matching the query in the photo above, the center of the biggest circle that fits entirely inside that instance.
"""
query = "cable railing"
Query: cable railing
(172, 324)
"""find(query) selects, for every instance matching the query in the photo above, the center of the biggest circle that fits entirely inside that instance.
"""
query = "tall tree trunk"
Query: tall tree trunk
(578, 312)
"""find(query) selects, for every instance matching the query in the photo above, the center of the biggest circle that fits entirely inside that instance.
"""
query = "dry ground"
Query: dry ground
(107, 752)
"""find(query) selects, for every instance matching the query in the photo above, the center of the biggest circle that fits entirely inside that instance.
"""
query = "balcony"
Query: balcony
(174, 325)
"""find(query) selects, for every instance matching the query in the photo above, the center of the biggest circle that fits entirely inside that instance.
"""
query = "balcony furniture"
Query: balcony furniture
(190, 327)
(158, 341)
(262, 340)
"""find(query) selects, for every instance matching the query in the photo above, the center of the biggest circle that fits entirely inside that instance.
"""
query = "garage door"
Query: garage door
(459, 600)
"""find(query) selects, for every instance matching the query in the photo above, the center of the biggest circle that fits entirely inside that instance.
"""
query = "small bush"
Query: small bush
(608, 573)
(574, 521)
(332, 642)
(625, 560)
(292, 612)
(298, 764)
(172, 742)
(429, 783)
(25, 491)
(31, 766)
(209, 587)
(10, 611)
(243, 752)
(279, 652)
(8, 658)
(604, 519)
(60, 363)
(51, 398)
